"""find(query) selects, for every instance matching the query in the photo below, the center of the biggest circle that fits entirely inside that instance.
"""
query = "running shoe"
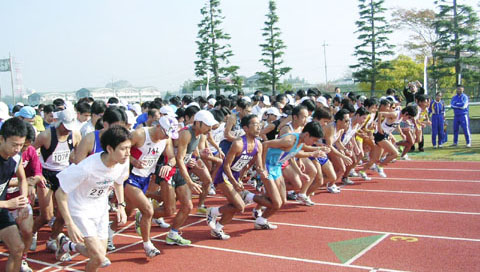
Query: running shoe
(161, 223)
(105, 263)
(52, 245)
(211, 219)
(292, 196)
(219, 234)
(266, 226)
(212, 191)
(469, 145)
(33, 246)
(347, 181)
(202, 209)
(110, 245)
(177, 240)
(152, 252)
(380, 171)
(305, 200)
(454, 144)
(363, 174)
(405, 158)
(440, 146)
(334, 189)
(61, 254)
(24, 267)
(252, 182)
(257, 213)
(353, 174)
(138, 218)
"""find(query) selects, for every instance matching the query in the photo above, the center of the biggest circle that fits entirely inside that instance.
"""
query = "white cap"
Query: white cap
(266, 100)
(194, 104)
(291, 101)
(322, 100)
(206, 117)
(273, 111)
(4, 111)
(167, 110)
(19, 104)
(67, 118)
(393, 98)
(304, 98)
(130, 117)
(248, 99)
(212, 101)
(137, 109)
(169, 124)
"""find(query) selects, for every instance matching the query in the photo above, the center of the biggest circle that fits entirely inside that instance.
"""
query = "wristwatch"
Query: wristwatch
(123, 204)
(168, 164)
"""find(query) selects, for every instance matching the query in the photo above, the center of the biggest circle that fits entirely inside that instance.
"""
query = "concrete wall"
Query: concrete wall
(474, 127)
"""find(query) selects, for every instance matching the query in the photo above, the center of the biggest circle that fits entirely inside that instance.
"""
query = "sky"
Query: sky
(62, 46)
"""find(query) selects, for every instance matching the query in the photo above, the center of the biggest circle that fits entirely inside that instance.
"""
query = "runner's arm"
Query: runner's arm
(183, 141)
(228, 128)
(84, 148)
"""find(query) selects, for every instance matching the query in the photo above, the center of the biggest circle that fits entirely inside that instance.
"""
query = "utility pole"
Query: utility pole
(325, 58)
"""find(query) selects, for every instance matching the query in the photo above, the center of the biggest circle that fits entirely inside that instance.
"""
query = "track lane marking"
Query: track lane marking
(409, 192)
(361, 253)
(427, 179)
(432, 169)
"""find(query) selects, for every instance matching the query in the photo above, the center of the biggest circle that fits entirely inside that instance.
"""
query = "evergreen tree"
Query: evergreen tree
(214, 51)
(459, 40)
(373, 30)
(272, 51)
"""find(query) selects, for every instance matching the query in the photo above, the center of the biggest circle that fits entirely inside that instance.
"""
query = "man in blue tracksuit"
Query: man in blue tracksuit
(437, 110)
(459, 105)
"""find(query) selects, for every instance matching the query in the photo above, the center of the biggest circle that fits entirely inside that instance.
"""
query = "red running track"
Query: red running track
(427, 215)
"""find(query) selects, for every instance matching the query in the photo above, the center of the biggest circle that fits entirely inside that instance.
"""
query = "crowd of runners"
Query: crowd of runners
(92, 165)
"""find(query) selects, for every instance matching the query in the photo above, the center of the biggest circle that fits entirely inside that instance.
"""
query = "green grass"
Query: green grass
(474, 112)
(448, 153)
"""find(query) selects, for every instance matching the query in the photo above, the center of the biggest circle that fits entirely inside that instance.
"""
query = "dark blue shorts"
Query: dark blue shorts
(139, 182)
(322, 161)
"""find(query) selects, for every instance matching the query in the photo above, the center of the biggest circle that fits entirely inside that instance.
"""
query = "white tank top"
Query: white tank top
(60, 157)
(389, 128)
(149, 154)
(218, 136)
(336, 133)
(350, 133)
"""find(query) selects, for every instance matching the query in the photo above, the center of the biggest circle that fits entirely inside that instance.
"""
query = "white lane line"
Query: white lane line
(368, 231)
(428, 179)
(433, 169)
(409, 192)
(391, 209)
(284, 257)
(136, 243)
(361, 253)
(48, 265)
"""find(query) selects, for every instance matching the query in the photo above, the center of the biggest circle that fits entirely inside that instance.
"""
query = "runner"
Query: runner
(83, 198)
(186, 144)
(56, 145)
(244, 151)
(232, 127)
(12, 139)
(148, 143)
(276, 152)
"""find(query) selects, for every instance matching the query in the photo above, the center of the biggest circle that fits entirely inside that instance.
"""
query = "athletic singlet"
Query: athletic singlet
(218, 136)
(241, 161)
(336, 133)
(272, 134)
(97, 146)
(192, 145)
(56, 158)
(8, 168)
(148, 153)
(347, 136)
(389, 128)
(276, 156)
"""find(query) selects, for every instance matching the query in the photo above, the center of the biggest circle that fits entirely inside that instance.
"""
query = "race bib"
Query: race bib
(149, 161)
(241, 163)
(98, 192)
(61, 157)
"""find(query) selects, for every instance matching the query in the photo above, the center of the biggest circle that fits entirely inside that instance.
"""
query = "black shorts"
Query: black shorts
(52, 180)
(380, 137)
(6, 219)
(178, 180)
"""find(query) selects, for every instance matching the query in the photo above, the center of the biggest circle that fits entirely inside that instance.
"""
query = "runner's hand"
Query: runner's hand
(347, 161)
(197, 189)
(17, 202)
(138, 164)
(164, 171)
(75, 234)
(121, 216)
(301, 165)
(222, 155)
(41, 181)
(238, 186)
(31, 193)
(264, 175)
(23, 213)
(191, 163)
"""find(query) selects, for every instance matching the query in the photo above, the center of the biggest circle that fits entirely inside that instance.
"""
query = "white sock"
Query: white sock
(218, 227)
(34, 235)
(70, 246)
(172, 233)
(291, 192)
(261, 220)
(215, 211)
(302, 195)
(249, 197)
(147, 245)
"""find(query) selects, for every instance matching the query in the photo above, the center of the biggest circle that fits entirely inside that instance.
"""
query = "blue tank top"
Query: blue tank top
(276, 156)
(97, 146)
(241, 161)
